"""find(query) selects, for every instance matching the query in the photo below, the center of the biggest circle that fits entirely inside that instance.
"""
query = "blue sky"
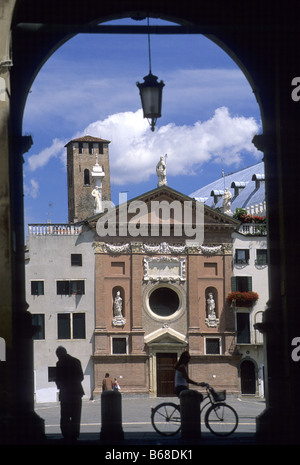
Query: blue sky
(88, 86)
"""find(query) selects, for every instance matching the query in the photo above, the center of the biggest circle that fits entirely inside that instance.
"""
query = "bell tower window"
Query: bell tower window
(86, 177)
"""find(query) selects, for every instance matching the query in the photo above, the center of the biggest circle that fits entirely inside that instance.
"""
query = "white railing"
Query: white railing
(54, 230)
(253, 229)
(257, 209)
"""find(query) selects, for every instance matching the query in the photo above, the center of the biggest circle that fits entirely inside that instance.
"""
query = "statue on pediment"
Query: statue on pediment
(227, 202)
(161, 171)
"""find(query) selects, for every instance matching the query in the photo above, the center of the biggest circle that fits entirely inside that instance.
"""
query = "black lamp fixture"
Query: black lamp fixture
(151, 93)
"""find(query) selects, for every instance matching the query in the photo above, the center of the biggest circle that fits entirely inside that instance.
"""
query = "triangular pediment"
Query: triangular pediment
(145, 203)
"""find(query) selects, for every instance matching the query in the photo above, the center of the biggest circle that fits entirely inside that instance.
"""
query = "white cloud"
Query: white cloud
(135, 149)
(32, 189)
(41, 159)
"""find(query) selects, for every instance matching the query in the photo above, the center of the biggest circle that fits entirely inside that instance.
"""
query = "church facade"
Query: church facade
(161, 284)
(155, 273)
(165, 288)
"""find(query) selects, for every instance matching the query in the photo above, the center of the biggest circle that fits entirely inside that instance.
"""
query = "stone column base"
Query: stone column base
(27, 429)
(278, 426)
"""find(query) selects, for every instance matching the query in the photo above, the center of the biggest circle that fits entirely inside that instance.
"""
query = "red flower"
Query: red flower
(242, 299)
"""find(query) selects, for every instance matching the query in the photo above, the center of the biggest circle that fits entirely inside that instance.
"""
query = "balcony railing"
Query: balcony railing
(54, 230)
(253, 229)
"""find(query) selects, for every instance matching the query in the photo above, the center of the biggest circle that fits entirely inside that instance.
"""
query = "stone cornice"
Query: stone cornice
(162, 249)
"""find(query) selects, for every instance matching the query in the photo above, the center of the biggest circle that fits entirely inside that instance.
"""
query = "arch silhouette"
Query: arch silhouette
(63, 34)
(264, 39)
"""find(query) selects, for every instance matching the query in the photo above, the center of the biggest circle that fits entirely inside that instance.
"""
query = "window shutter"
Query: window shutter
(34, 288)
(78, 326)
(233, 284)
(249, 283)
(62, 287)
(80, 287)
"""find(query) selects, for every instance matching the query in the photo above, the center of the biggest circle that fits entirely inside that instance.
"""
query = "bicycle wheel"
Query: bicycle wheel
(221, 419)
(166, 419)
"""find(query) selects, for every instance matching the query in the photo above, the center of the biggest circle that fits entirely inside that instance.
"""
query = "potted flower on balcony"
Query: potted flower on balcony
(242, 215)
(242, 299)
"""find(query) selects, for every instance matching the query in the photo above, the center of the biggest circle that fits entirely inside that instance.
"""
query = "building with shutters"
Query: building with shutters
(250, 270)
(59, 266)
(250, 266)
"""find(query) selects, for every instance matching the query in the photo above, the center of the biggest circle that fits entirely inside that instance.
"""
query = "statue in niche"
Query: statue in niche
(118, 302)
(212, 321)
(118, 319)
(161, 171)
(227, 202)
(211, 306)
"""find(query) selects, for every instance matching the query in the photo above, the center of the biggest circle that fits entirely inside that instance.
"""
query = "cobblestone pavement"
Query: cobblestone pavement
(137, 427)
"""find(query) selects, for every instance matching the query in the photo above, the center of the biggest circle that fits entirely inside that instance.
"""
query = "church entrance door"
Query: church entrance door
(165, 365)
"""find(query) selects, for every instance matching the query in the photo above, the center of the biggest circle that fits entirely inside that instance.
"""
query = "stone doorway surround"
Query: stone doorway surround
(163, 340)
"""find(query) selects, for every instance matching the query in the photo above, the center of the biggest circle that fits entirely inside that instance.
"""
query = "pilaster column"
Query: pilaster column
(19, 424)
(137, 335)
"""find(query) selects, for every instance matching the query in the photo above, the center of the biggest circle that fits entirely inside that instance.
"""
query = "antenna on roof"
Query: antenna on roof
(51, 204)
(223, 176)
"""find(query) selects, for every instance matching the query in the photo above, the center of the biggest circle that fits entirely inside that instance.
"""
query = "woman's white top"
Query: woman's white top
(180, 379)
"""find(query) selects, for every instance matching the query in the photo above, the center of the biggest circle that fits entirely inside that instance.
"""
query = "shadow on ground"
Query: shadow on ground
(152, 439)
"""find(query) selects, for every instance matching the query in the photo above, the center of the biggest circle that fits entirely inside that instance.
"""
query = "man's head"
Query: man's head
(61, 352)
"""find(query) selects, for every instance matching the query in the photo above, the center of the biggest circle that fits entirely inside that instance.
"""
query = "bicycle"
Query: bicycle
(220, 418)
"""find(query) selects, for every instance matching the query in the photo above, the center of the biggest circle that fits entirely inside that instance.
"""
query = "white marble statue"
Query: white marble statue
(227, 201)
(161, 171)
(118, 319)
(211, 306)
(212, 321)
(118, 305)
(96, 193)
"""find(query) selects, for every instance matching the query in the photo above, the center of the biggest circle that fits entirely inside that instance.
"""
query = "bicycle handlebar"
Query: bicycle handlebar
(206, 385)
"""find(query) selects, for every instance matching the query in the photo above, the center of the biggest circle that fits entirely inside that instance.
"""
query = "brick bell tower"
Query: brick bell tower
(82, 155)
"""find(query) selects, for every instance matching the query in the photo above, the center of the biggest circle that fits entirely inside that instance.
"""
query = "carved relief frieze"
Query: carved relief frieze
(162, 248)
(164, 269)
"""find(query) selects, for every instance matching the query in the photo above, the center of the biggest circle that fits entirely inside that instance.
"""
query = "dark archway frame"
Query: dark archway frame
(263, 39)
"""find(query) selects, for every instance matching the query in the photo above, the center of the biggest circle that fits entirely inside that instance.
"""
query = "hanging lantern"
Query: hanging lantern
(151, 98)
(151, 93)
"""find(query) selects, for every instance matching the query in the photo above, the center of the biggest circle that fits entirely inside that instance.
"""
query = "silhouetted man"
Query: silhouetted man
(107, 383)
(68, 380)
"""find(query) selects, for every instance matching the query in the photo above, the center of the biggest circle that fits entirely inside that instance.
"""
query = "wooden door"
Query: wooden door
(165, 366)
(248, 380)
